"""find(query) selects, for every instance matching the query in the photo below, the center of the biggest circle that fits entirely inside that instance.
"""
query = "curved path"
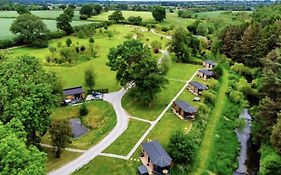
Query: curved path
(122, 124)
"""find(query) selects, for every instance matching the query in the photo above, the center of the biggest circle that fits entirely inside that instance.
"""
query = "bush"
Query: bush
(209, 97)
(236, 97)
(57, 34)
(218, 70)
(165, 29)
(240, 123)
(83, 110)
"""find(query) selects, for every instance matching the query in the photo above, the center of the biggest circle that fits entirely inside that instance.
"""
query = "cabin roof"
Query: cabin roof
(186, 107)
(157, 154)
(73, 91)
(210, 62)
(206, 71)
(199, 85)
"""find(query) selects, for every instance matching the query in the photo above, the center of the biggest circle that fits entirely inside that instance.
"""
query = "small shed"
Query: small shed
(196, 87)
(183, 109)
(155, 158)
(74, 93)
(209, 64)
(205, 74)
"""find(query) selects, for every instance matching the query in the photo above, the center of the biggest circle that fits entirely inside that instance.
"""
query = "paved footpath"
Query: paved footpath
(122, 124)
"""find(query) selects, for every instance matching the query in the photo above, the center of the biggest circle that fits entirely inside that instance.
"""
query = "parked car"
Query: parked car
(196, 99)
(97, 96)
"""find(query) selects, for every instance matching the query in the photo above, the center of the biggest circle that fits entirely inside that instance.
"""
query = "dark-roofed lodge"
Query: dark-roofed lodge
(196, 87)
(155, 158)
(183, 110)
(205, 74)
(209, 64)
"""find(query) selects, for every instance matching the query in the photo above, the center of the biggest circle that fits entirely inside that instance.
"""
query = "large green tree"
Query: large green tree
(27, 93)
(276, 135)
(184, 45)
(116, 16)
(15, 156)
(86, 10)
(60, 134)
(159, 13)
(134, 65)
(97, 9)
(31, 29)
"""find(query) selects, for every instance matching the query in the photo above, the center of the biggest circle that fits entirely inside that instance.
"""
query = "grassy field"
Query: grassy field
(211, 127)
(177, 71)
(124, 144)
(6, 23)
(107, 165)
(53, 163)
(101, 119)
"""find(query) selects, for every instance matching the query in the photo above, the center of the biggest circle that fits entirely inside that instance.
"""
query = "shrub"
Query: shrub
(68, 42)
(57, 34)
(156, 44)
(83, 110)
(236, 97)
(83, 48)
(165, 29)
(83, 17)
(218, 70)
(240, 123)
(209, 97)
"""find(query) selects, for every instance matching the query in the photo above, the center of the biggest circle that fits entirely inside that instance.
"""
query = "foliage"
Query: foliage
(65, 19)
(156, 44)
(134, 66)
(68, 42)
(193, 27)
(209, 97)
(15, 156)
(27, 93)
(182, 148)
(30, 29)
(241, 69)
(86, 10)
(240, 123)
(116, 16)
(159, 13)
(60, 134)
(21, 9)
(202, 29)
(270, 162)
(185, 13)
(97, 9)
(236, 96)
(135, 20)
(184, 45)
(218, 70)
(90, 78)
(83, 110)
(275, 135)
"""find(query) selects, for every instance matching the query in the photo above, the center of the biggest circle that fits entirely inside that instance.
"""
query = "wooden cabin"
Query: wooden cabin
(183, 110)
(155, 158)
(74, 93)
(209, 64)
(205, 74)
(196, 87)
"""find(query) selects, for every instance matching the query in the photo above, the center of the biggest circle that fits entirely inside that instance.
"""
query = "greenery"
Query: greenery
(116, 16)
(270, 161)
(34, 94)
(136, 66)
(159, 13)
(60, 133)
(89, 79)
(86, 10)
(31, 30)
(65, 19)
(83, 110)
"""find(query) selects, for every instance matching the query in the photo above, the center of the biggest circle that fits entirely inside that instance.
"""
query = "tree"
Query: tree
(30, 29)
(116, 16)
(182, 148)
(15, 156)
(21, 9)
(27, 93)
(92, 40)
(64, 23)
(89, 78)
(68, 42)
(135, 20)
(69, 11)
(184, 45)
(202, 29)
(276, 136)
(97, 9)
(62, 6)
(60, 134)
(133, 63)
(159, 13)
(86, 10)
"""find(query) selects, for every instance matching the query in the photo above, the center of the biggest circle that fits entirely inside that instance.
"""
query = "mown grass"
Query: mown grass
(209, 135)
(101, 119)
(106, 165)
(124, 144)
(177, 71)
(53, 163)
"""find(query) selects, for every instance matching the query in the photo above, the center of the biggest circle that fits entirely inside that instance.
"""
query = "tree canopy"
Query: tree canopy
(86, 10)
(65, 19)
(31, 29)
(159, 13)
(116, 16)
(133, 63)
(27, 93)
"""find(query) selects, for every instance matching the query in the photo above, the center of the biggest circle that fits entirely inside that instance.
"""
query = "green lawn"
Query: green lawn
(177, 71)
(211, 127)
(124, 144)
(6, 23)
(53, 163)
(101, 119)
(106, 165)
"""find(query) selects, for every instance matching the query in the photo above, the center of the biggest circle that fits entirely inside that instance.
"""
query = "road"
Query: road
(122, 124)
